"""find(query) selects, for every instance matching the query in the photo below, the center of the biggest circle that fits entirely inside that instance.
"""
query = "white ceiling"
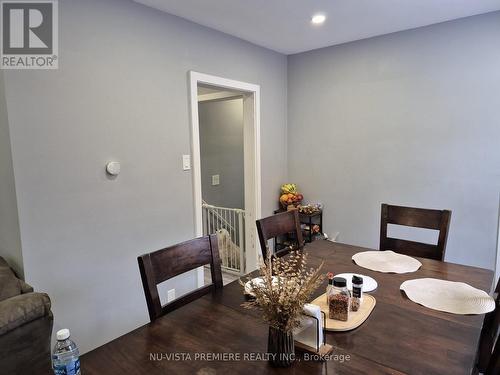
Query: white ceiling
(284, 25)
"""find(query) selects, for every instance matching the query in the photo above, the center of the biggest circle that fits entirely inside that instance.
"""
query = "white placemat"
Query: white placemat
(449, 296)
(386, 261)
(369, 283)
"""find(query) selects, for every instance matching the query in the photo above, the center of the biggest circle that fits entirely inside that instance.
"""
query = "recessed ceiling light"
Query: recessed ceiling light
(318, 19)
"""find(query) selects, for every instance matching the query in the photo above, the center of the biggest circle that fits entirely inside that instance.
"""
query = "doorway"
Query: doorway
(212, 176)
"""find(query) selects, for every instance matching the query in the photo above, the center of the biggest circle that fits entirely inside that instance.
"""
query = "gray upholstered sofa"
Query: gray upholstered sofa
(25, 326)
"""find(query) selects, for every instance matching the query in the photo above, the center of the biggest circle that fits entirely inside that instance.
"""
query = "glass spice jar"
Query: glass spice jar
(338, 300)
(357, 292)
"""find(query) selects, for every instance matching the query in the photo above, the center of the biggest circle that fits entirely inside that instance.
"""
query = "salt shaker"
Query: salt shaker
(357, 292)
(329, 286)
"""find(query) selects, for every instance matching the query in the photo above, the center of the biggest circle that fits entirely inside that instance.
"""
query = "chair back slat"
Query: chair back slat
(188, 255)
(164, 264)
(277, 225)
(494, 363)
(417, 249)
(415, 217)
(489, 346)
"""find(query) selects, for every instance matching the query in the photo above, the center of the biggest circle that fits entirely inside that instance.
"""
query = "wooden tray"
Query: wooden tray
(356, 318)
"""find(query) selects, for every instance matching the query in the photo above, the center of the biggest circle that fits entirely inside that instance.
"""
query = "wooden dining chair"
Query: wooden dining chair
(277, 225)
(415, 217)
(161, 265)
(488, 361)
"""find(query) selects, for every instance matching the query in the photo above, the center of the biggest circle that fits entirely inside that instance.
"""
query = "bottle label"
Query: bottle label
(356, 292)
(71, 368)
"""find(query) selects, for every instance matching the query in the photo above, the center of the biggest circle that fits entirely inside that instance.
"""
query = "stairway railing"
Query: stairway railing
(229, 225)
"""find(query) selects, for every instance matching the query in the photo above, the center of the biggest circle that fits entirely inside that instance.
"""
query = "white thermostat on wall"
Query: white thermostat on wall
(113, 168)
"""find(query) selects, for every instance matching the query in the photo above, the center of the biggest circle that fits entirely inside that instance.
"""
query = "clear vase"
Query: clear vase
(280, 347)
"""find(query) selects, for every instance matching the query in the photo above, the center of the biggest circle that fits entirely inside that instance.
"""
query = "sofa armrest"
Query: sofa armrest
(21, 309)
(25, 287)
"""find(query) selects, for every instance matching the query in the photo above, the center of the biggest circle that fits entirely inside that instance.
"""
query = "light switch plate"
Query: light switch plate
(215, 179)
(186, 162)
(170, 295)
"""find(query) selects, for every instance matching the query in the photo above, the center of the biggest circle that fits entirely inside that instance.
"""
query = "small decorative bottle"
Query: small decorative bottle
(339, 300)
(357, 292)
(329, 286)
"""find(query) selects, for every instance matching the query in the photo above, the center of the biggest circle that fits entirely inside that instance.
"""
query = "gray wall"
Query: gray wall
(121, 93)
(411, 118)
(221, 151)
(10, 241)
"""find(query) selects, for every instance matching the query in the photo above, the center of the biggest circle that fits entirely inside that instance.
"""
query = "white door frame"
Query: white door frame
(497, 256)
(251, 126)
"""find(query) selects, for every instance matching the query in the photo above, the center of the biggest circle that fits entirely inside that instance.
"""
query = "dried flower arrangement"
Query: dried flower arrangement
(282, 301)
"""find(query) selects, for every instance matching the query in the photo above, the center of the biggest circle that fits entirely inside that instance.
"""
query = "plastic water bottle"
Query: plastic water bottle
(65, 360)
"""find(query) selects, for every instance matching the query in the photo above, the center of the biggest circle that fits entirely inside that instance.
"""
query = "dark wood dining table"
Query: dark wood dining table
(216, 335)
